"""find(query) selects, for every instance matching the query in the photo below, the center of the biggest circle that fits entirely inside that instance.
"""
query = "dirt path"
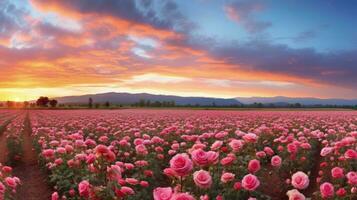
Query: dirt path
(34, 183)
(314, 173)
(3, 150)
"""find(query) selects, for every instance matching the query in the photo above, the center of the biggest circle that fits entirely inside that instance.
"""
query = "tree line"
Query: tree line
(46, 102)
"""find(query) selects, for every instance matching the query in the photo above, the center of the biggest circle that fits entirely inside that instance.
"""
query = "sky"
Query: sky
(213, 48)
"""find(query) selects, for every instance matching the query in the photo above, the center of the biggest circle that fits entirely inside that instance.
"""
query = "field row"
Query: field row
(177, 154)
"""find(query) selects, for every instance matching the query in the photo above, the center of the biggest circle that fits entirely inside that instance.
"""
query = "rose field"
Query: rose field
(178, 154)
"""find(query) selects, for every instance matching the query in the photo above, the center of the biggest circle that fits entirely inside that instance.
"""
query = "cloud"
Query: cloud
(334, 68)
(243, 13)
(305, 36)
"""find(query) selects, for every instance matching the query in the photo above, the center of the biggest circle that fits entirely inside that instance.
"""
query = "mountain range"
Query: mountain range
(307, 101)
(129, 98)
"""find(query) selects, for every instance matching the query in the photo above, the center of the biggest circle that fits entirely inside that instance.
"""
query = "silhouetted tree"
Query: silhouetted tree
(107, 104)
(42, 101)
(53, 103)
(142, 102)
(90, 103)
(26, 104)
(10, 104)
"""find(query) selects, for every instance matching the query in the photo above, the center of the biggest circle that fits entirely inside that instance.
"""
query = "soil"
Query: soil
(34, 180)
(3, 154)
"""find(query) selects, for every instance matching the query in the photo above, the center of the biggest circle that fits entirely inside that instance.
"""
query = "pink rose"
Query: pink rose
(227, 160)
(325, 151)
(300, 180)
(181, 164)
(54, 196)
(337, 172)
(253, 166)
(213, 157)
(350, 154)
(268, 151)
(48, 153)
(84, 188)
(216, 145)
(11, 182)
(236, 145)
(250, 182)
(161, 193)
(327, 190)
(250, 137)
(202, 179)
(292, 148)
(200, 157)
(141, 149)
(127, 190)
(341, 192)
(276, 161)
(182, 196)
(227, 177)
(295, 195)
(352, 178)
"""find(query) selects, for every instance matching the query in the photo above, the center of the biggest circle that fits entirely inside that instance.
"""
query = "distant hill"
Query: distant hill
(128, 98)
(307, 101)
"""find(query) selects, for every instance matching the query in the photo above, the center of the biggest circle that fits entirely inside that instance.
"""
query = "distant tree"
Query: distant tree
(148, 103)
(107, 104)
(142, 102)
(32, 105)
(53, 103)
(297, 105)
(10, 104)
(26, 104)
(42, 101)
(90, 103)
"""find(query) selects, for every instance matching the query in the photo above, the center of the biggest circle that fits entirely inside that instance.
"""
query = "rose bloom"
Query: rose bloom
(325, 151)
(268, 151)
(295, 195)
(83, 188)
(216, 145)
(300, 180)
(327, 190)
(54, 196)
(254, 166)
(341, 192)
(250, 182)
(161, 193)
(127, 190)
(227, 160)
(292, 148)
(236, 145)
(200, 157)
(227, 177)
(337, 172)
(202, 179)
(350, 154)
(182, 196)
(11, 182)
(237, 185)
(276, 161)
(352, 178)
(250, 137)
(181, 164)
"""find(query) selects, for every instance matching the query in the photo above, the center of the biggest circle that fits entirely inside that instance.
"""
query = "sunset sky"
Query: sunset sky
(214, 48)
